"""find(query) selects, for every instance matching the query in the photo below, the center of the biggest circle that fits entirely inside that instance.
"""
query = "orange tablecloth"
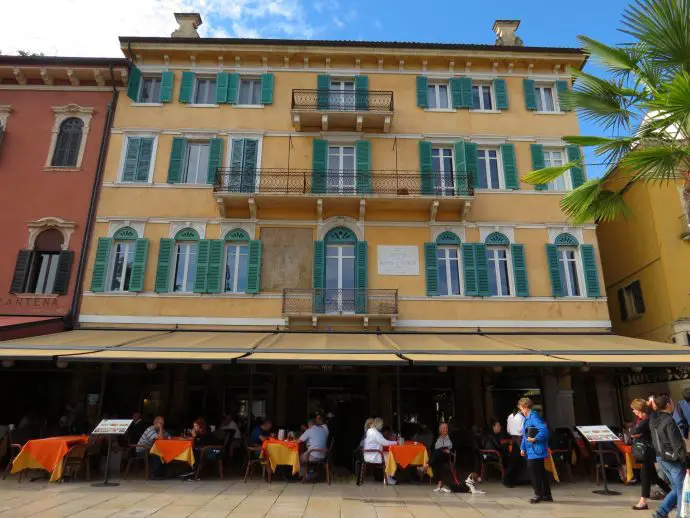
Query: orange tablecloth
(281, 453)
(550, 466)
(174, 449)
(409, 454)
(630, 463)
(46, 454)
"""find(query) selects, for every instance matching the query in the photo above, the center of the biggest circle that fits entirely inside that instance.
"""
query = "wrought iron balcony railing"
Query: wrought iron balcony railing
(342, 101)
(343, 182)
(340, 302)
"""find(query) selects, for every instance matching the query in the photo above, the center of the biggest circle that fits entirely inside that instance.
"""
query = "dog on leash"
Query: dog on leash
(471, 482)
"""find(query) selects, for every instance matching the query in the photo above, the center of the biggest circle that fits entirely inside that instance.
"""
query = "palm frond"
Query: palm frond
(591, 202)
(611, 149)
(657, 164)
(671, 109)
(616, 60)
(548, 174)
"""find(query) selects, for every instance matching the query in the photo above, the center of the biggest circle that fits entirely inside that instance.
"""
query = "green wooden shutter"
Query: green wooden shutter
(129, 172)
(363, 165)
(215, 157)
(251, 149)
(422, 92)
(431, 269)
(179, 145)
(519, 270)
(530, 94)
(165, 255)
(426, 167)
(233, 88)
(510, 175)
(202, 256)
(323, 85)
(456, 92)
(133, 84)
(236, 163)
(537, 153)
(222, 80)
(466, 85)
(266, 88)
(561, 88)
(187, 87)
(362, 93)
(61, 286)
(141, 251)
(319, 276)
(554, 271)
(254, 267)
(577, 174)
(318, 166)
(167, 80)
(361, 273)
(460, 176)
(589, 265)
(501, 94)
(144, 159)
(470, 270)
(21, 271)
(482, 267)
(214, 273)
(471, 165)
(100, 264)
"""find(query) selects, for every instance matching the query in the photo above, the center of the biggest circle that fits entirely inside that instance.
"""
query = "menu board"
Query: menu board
(112, 427)
(599, 433)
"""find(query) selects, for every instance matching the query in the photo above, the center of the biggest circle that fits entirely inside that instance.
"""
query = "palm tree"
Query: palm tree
(646, 99)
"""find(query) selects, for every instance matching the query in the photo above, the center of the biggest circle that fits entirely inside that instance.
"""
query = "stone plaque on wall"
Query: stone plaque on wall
(398, 260)
(286, 258)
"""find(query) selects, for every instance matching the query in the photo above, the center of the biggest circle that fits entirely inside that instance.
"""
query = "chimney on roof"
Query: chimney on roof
(505, 33)
(188, 24)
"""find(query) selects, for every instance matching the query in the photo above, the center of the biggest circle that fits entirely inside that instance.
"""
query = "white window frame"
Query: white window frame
(178, 244)
(501, 172)
(131, 249)
(341, 145)
(123, 157)
(62, 113)
(449, 260)
(539, 93)
(256, 79)
(565, 283)
(237, 245)
(332, 95)
(437, 94)
(630, 302)
(188, 144)
(509, 268)
(198, 79)
(441, 174)
(141, 89)
(482, 108)
(339, 260)
(566, 175)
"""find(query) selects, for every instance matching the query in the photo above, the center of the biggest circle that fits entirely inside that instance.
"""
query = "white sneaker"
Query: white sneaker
(391, 481)
(437, 490)
(444, 489)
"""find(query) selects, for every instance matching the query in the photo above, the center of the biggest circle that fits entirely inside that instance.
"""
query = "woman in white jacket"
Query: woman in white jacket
(374, 440)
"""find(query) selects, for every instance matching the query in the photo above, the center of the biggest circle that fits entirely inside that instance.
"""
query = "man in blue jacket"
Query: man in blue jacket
(535, 446)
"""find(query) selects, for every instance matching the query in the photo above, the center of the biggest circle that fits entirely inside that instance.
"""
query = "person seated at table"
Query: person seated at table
(388, 434)
(136, 429)
(374, 440)
(152, 434)
(498, 441)
(201, 437)
(320, 421)
(232, 433)
(314, 438)
(260, 434)
(440, 458)
(425, 436)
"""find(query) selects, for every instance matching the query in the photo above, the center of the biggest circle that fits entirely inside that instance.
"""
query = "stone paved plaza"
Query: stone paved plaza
(233, 498)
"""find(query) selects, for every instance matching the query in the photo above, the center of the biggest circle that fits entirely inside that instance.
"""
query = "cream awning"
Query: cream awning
(325, 348)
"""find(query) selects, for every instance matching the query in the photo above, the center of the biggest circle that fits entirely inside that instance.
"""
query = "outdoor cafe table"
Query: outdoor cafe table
(174, 449)
(46, 454)
(408, 454)
(630, 463)
(281, 453)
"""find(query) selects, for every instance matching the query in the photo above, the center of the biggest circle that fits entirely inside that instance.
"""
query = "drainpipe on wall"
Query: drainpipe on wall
(72, 317)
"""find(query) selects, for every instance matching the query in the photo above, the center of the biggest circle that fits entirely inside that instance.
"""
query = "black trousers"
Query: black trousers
(539, 477)
(438, 464)
(512, 462)
(649, 476)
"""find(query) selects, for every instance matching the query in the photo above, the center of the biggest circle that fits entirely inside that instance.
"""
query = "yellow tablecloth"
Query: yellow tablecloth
(174, 449)
(550, 466)
(409, 454)
(630, 463)
(47, 454)
(281, 453)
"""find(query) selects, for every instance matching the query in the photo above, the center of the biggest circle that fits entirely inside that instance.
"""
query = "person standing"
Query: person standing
(670, 447)
(682, 413)
(514, 425)
(535, 447)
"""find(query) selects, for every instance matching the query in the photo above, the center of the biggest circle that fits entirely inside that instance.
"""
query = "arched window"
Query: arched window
(448, 263)
(44, 269)
(340, 270)
(498, 259)
(186, 248)
(122, 259)
(569, 264)
(236, 261)
(68, 143)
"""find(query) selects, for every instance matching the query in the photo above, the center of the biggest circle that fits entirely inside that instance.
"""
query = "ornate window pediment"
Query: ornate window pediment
(66, 228)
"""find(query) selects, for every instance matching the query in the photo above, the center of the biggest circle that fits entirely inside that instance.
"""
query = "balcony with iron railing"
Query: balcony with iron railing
(368, 110)
(684, 227)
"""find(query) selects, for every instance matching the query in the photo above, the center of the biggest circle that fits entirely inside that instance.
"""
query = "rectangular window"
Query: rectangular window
(499, 276)
(150, 90)
(442, 167)
(546, 99)
(196, 163)
(121, 261)
(185, 267)
(205, 90)
(438, 96)
(341, 169)
(481, 97)
(43, 273)
(556, 158)
(632, 301)
(342, 95)
(138, 159)
(250, 92)
(567, 265)
(448, 270)
(236, 268)
(488, 169)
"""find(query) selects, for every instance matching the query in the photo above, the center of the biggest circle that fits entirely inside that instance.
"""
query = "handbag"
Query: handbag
(640, 451)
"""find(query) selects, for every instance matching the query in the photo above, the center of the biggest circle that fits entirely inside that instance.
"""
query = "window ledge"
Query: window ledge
(49, 296)
(55, 169)
(139, 105)
(486, 111)
(446, 110)
(549, 113)
(249, 106)
(183, 185)
(121, 183)
(203, 105)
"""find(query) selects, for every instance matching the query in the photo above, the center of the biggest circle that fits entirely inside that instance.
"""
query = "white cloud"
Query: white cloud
(338, 22)
(325, 5)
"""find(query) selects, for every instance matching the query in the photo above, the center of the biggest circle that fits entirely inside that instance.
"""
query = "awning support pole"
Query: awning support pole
(397, 390)
(104, 375)
(250, 401)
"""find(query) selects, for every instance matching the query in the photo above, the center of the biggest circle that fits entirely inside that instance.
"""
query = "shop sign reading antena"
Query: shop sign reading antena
(112, 427)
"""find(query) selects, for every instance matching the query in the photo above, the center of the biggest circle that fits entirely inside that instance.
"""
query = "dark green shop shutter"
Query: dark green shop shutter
(460, 174)
(361, 274)
(323, 85)
(319, 276)
(537, 154)
(141, 252)
(21, 271)
(318, 166)
(554, 272)
(510, 175)
(363, 165)
(254, 267)
(202, 255)
(471, 165)
(214, 273)
(133, 84)
(426, 167)
(233, 88)
(431, 269)
(187, 86)
(266, 88)
(215, 156)
(561, 88)
(222, 80)
(62, 275)
(577, 174)
(530, 94)
(482, 266)
(589, 265)
(176, 158)
(100, 264)
(362, 93)
(422, 92)
(469, 270)
(167, 80)
(165, 255)
(501, 94)
(520, 270)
